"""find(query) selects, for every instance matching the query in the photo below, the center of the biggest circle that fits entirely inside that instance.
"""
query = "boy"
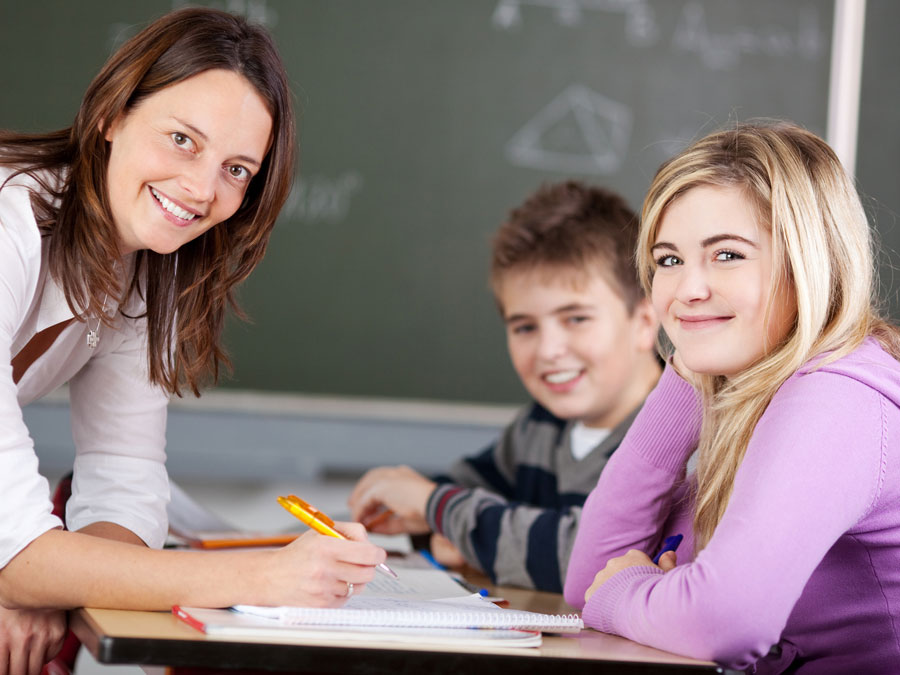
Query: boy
(581, 338)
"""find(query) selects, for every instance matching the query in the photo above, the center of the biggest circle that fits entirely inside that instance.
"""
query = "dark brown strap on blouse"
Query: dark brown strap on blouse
(36, 346)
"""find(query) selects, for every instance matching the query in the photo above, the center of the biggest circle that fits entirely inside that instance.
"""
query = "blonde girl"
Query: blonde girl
(757, 255)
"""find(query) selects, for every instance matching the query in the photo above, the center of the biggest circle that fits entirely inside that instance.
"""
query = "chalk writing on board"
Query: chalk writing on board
(640, 21)
(691, 33)
(119, 33)
(579, 131)
(723, 51)
(322, 199)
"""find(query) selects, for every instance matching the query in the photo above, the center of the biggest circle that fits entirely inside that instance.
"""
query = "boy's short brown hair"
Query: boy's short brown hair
(571, 225)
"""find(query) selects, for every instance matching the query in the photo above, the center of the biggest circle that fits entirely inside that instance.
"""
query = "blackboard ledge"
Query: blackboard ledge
(334, 407)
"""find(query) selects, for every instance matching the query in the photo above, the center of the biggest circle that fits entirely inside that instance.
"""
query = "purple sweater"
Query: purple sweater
(807, 555)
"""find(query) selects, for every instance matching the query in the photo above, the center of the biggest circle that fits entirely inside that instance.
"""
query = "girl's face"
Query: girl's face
(181, 160)
(713, 282)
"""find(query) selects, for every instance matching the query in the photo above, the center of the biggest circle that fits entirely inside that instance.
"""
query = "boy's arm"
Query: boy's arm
(495, 518)
(495, 468)
(513, 543)
(392, 500)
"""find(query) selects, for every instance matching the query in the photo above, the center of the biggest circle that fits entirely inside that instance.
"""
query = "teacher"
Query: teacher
(122, 239)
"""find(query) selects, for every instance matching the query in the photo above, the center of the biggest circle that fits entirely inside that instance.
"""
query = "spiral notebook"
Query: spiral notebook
(422, 605)
(471, 611)
(419, 597)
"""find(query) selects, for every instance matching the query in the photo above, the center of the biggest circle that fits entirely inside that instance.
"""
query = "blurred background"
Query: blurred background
(423, 123)
(374, 338)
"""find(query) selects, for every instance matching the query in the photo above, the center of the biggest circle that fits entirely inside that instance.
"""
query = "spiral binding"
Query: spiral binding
(506, 618)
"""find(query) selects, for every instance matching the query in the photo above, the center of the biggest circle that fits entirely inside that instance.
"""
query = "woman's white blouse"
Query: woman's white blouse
(118, 418)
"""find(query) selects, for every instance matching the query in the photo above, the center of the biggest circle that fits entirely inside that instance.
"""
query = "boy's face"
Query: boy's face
(574, 345)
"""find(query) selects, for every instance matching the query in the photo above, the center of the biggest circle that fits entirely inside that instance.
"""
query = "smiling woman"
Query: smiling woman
(180, 162)
(122, 239)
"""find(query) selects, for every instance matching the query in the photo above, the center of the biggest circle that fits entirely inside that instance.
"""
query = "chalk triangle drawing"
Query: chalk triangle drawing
(580, 131)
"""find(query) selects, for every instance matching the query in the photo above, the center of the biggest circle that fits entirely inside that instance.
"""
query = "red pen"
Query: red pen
(188, 619)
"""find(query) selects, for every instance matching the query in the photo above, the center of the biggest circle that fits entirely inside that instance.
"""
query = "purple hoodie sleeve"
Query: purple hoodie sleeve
(812, 470)
(634, 494)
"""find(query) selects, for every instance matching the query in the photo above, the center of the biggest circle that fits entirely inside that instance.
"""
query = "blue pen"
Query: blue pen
(670, 544)
(430, 558)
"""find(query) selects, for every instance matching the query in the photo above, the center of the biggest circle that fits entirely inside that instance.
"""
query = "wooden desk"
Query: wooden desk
(159, 639)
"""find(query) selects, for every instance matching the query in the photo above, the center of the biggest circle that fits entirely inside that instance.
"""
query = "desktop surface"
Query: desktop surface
(159, 639)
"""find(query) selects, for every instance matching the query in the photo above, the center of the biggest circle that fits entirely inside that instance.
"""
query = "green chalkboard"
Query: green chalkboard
(878, 152)
(422, 123)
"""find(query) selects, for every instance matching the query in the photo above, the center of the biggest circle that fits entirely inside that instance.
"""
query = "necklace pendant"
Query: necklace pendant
(93, 339)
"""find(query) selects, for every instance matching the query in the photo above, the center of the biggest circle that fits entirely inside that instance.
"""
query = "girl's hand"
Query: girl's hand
(633, 558)
(29, 638)
(316, 570)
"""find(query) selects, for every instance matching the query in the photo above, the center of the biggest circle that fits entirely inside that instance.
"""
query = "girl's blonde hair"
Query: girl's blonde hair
(820, 233)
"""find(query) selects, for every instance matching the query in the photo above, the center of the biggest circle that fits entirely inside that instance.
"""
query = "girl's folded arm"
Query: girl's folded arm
(634, 495)
(797, 491)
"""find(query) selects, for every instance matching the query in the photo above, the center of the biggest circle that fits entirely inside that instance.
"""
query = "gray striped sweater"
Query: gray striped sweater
(513, 509)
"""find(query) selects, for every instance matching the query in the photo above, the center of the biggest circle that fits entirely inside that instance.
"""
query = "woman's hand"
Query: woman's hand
(29, 638)
(392, 500)
(316, 570)
(633, 558)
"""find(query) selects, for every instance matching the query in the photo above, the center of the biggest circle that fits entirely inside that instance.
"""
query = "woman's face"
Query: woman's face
(713, 282)
(181, 160)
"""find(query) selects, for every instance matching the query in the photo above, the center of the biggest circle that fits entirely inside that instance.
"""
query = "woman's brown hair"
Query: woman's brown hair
(186, 291)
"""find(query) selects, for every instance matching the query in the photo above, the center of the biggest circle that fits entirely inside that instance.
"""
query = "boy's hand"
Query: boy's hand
(445, 552)
(398, 489)
(633, 558)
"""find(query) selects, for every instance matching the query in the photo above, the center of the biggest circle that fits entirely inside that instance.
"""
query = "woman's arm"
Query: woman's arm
(118, 424)
(45, 567)
(634, 496)
(70, 569)
(25, 509)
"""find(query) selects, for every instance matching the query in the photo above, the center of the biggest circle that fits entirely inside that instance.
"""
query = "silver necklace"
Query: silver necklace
(93, 336)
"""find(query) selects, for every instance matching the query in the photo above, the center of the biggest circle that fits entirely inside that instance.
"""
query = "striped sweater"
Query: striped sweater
(513, 510)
